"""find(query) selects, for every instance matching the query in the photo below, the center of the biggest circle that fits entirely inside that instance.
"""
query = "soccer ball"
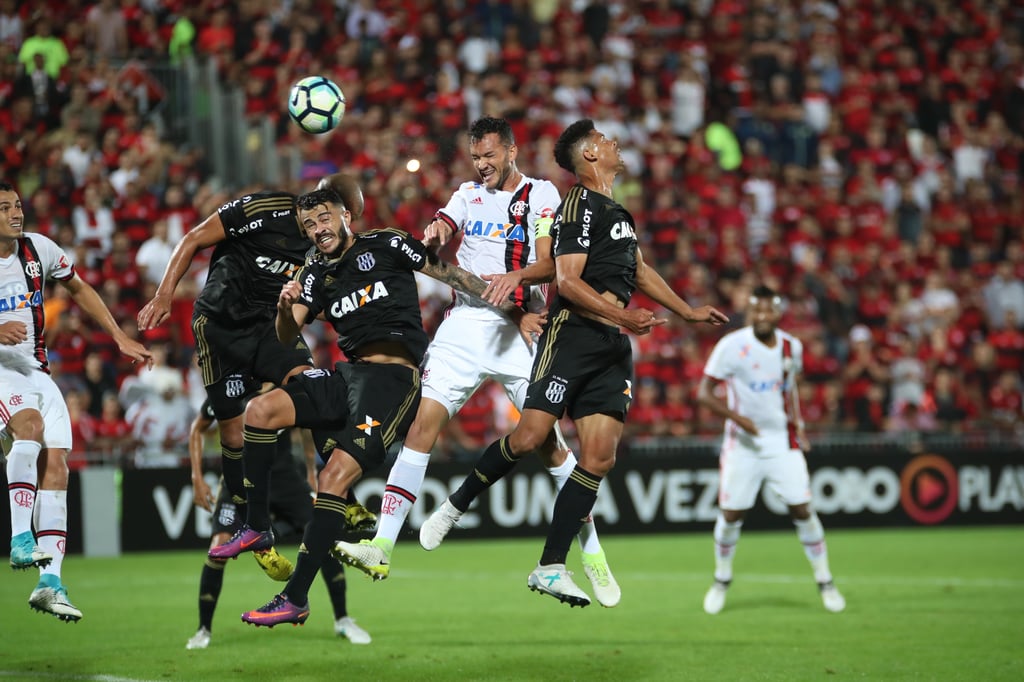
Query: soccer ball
(316, 104)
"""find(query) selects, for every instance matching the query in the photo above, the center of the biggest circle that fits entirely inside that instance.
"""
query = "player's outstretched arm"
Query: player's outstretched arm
(203, 235)
(459, 279)
(89, 301)
(653, 284)
(501, 285)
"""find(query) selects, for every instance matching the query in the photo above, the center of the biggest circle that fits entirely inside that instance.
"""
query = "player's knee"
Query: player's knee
(27, 425)
(525, 441)
(260, 411)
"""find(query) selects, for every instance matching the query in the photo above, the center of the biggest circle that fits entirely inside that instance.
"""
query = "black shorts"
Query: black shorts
(582, 367)
(291, 503)
(360, 407)
(235, 362)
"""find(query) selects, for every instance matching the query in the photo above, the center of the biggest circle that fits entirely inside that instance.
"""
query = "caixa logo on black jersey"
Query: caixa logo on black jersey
(276, 266)
(358, 298)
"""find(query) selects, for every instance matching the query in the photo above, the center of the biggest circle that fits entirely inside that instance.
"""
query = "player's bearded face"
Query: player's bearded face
(493, 160)
(327, 227)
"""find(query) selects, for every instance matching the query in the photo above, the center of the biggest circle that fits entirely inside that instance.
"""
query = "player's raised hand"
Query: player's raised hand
(154, 313)
(289, 295)
(436, 234)
(136, 351)
(501, 286)
(640, 320)
(708, 314)
(531, 325)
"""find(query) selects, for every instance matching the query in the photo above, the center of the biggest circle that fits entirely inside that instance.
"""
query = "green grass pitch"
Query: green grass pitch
(923, 604)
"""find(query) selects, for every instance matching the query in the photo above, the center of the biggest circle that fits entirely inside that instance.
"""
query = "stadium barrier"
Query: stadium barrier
(653, 489)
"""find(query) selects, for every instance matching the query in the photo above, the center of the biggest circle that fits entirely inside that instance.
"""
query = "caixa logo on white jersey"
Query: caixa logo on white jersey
(357, 299)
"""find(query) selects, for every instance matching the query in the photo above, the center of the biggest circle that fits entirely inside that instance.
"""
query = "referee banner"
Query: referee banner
(650, 493)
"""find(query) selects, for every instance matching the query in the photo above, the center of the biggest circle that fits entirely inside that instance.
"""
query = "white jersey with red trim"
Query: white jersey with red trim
(499, 233)
(759, 380)
(23, 275)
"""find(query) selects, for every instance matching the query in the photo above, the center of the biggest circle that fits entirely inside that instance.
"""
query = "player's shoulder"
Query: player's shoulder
(469, 187)
(541, 184)
(577, 200)
(40, 241)
(786, 336)
(275, 203)
(382, 234)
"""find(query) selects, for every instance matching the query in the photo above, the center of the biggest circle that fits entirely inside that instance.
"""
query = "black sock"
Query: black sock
(327, 526)
(572, 506)
(334, 576)
(210, 582)
(260, 448)
(497, 460)
(234, 474)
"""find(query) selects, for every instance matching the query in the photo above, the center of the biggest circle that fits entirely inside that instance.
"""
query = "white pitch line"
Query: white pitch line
(35, 675)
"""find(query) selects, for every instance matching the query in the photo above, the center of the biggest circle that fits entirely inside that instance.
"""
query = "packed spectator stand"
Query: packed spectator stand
(862, 156)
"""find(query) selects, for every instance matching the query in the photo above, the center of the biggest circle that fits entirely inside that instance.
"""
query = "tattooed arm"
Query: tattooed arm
(529, 324)
(460, 280)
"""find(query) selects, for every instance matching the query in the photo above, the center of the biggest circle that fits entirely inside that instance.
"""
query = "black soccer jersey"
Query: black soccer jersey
(263, 250)
(590, 222)
(369, 293)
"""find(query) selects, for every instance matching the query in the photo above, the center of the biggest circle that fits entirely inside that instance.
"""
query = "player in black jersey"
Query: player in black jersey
(364, 286)
(584, 364)
(291, 503)
(257, 249)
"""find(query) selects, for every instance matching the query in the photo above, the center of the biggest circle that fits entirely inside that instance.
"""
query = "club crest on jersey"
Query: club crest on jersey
(33, 269)
(358, 298)
(518, 209)
(365, 262)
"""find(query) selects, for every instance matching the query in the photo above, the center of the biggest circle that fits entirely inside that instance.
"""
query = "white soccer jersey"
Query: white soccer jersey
(22, 278)
(499, 232)
(759, 380)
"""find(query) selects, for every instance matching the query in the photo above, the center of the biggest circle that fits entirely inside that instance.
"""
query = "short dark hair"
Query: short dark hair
(763, 291)
(6, 187)
(488, 124)
(311, 200)
(567, 141)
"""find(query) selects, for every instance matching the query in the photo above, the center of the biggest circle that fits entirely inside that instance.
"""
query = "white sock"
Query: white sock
(22, 475)
(52, 527)
(589, 542)
(404, 482)
(812, 536)
(727, 535)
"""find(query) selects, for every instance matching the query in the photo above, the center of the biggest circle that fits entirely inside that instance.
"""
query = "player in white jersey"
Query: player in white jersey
(505, 219)
(764, 440)
(35, 420)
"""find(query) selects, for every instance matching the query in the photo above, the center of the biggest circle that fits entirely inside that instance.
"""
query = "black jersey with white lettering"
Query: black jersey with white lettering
(594, 224)
(264, 248)
(369, 293)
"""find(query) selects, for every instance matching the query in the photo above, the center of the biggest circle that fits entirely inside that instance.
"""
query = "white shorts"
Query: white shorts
(36, 390)
(466, 350)
(743, 472)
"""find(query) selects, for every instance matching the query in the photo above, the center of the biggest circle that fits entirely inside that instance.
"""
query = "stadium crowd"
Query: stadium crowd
(862, 156)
